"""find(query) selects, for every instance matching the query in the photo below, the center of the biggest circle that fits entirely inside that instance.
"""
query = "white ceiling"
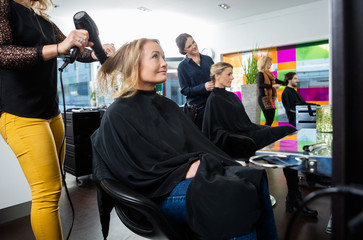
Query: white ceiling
(208, 10)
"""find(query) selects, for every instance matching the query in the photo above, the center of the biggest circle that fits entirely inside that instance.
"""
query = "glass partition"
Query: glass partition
(80, 88)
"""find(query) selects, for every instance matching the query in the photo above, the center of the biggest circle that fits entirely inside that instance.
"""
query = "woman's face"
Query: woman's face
(269, 64)
(224, 79)
(153, 66)
(191, 47)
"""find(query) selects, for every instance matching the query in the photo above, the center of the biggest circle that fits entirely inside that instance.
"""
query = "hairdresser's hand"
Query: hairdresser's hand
(78, 38)
(276, 86)
(209, 86)
(109, 50)
(192, 170)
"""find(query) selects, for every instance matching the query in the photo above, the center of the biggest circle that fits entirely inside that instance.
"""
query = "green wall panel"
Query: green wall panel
(281, 74)
(312, 52)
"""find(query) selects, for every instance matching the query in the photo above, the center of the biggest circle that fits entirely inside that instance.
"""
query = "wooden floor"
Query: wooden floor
(87, 226)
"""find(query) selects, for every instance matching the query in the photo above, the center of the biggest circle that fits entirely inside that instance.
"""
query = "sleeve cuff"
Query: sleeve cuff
(40, 53)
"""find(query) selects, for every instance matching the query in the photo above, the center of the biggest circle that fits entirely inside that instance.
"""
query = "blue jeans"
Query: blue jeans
(173, 207)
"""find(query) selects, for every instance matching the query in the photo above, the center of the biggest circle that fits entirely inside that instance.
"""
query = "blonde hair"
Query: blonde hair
(41, 7)
(218, 68)
(262, 63)
(119, 74)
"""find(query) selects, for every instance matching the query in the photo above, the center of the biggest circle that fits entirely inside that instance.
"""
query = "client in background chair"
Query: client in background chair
(147, 143)
(291, 98)
(225, 116)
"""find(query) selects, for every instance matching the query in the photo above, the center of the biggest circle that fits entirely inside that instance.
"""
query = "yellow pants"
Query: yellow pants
(36, 144)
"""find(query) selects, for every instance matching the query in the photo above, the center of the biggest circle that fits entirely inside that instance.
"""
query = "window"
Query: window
(78, 79)
(172, 88)
(76, 82)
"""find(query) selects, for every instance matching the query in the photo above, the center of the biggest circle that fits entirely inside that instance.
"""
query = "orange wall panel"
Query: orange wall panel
(286, 66)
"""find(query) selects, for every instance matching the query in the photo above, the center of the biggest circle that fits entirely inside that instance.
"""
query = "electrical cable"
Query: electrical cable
(341, 190)
(60, 152)
(81, 21)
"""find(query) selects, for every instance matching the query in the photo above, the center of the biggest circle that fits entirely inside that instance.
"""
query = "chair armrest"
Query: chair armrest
(154, 225)
(239, 146)
(125, 195)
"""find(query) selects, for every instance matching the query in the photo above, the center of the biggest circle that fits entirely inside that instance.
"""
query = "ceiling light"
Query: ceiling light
(224, 6)
(144, 9)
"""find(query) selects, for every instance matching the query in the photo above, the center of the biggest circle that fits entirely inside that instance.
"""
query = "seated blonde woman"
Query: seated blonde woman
(226, 121)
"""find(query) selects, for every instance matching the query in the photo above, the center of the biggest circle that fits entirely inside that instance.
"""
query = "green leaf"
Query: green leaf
(93, 96)
(250, 68)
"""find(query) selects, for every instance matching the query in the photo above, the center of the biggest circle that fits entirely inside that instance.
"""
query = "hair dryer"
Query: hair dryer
(83, 21)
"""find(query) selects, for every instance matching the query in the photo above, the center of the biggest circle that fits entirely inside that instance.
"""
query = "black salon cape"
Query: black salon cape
(225, 115)
(290, 99)
(147, 142)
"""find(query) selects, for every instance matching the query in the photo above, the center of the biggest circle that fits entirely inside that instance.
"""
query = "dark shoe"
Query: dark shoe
(294, 200)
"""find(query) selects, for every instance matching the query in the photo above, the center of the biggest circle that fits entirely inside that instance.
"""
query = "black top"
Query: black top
(290, 99)
(260, 80)
(28, 85)
(148, 143)
(225, 116)
(192, 79)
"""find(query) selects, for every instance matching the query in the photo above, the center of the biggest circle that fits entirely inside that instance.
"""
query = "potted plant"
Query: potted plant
(93, 97)
(249, 90)
(250, 68)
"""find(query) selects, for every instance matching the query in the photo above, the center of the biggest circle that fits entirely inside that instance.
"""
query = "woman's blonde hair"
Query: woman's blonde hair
(262, 63)
(119, 74)
(218, 68)
(41, 7)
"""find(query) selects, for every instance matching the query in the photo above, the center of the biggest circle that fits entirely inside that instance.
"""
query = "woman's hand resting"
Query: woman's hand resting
(192, 169)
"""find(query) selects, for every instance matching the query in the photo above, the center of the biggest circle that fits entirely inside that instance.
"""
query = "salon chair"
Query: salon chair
(232, 146)
(141, 215)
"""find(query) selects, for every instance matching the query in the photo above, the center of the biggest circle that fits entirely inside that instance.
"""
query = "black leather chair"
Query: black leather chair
(232, 146)
(141, 215)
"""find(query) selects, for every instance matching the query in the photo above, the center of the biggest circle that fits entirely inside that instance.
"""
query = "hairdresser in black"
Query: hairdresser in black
(193, 74)
(227, 125)
(267, 84)
(30, 121)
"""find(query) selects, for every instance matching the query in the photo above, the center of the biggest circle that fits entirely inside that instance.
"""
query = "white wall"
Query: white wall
(14, 188)
(300, 24)
(122, 26)
(309, 22)
(305, 23)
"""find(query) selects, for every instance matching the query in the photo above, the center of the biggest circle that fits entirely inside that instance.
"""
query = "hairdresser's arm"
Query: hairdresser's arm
(12, 56)
(85, 55)
(185, 83)
(279, 81)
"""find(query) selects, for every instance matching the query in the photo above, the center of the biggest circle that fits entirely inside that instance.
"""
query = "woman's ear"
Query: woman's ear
(216, 77)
